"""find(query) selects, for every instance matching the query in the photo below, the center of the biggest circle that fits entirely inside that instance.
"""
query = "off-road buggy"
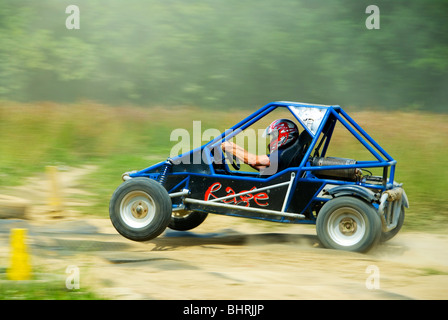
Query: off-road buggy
(352, 208)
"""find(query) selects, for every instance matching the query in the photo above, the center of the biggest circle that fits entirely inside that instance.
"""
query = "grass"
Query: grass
(432, 272)
(40, 288)
(16, 290)
(119, 139)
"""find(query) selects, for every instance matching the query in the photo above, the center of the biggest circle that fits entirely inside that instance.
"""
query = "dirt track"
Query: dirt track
(245, 261)
(232, 258)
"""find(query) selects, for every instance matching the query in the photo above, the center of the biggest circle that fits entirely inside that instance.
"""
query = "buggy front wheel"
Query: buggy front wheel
(348, 223)
(140, 209)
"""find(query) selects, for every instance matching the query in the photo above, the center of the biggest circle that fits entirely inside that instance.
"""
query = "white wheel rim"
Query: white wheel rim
(346, 226)
(137, 209)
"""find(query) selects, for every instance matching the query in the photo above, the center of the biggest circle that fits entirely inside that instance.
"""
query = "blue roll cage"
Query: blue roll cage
(383, 159)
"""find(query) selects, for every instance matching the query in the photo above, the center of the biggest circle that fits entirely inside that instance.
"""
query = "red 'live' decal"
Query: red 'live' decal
(259, 198)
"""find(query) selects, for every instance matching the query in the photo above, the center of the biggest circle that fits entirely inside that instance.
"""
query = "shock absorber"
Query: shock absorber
(166, 168)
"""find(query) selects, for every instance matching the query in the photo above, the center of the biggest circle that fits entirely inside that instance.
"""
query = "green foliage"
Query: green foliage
(41, 289)
(226, 53)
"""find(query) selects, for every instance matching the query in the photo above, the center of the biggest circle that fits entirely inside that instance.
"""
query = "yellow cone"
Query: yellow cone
(20, 268)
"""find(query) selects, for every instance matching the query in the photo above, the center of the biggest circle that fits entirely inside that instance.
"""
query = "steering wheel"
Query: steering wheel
(235, 162)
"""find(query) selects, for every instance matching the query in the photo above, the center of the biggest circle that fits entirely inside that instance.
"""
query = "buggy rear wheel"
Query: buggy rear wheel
(348, 223)
(140, 209)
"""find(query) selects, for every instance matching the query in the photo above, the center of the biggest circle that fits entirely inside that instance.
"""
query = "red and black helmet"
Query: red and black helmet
(283, 133)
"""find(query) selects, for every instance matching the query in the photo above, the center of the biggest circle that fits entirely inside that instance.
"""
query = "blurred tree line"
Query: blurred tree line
(216, 53)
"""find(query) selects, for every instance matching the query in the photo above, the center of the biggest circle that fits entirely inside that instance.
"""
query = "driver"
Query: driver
(283, 134)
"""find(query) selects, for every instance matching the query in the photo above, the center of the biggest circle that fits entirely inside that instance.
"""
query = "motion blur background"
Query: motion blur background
(226, 53)
(110, 93)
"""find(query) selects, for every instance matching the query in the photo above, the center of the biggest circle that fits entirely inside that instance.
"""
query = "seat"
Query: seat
(293, 155)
